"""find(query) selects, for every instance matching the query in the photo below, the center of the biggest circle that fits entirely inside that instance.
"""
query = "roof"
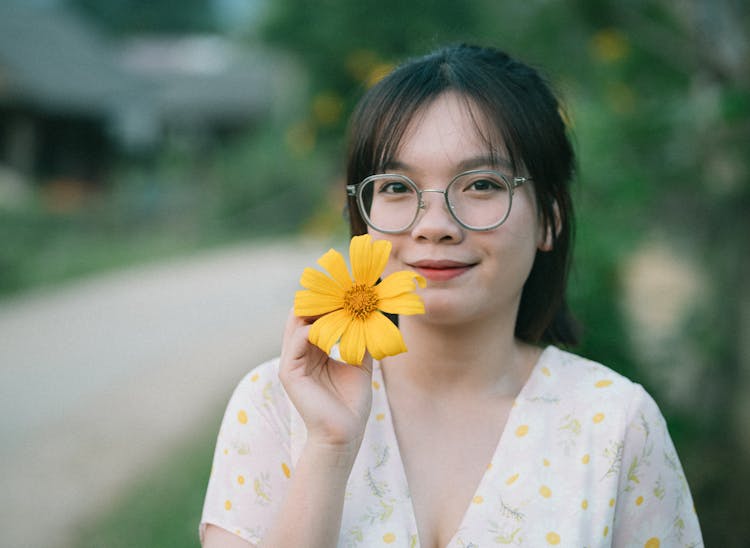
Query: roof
(209, 77)
(56, 60)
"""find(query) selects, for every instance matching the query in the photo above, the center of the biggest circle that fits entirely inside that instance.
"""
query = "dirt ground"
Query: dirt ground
(102, 376)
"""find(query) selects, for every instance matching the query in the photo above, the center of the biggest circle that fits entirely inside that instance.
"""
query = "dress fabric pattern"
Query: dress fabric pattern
(584, 460)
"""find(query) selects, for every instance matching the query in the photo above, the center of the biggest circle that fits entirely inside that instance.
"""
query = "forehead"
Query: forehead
(449, 129)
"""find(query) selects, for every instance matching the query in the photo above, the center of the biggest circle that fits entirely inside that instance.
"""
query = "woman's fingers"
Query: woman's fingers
(295, 345)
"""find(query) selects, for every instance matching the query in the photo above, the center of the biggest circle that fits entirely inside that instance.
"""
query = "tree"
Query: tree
(150, 16)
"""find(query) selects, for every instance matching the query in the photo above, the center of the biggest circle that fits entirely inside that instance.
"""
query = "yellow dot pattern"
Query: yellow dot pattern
(573, 422)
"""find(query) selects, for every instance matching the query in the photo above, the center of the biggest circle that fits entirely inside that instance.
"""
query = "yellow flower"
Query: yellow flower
(350, 310)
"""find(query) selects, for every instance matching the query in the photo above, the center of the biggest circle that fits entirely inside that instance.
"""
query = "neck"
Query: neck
(483, 358)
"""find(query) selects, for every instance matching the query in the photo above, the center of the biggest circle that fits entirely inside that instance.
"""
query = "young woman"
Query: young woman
(484, 432)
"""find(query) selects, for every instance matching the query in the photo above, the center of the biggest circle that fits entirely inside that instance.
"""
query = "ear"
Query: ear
(548, 235)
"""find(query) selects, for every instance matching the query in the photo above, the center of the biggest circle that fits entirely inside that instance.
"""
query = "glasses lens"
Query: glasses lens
(390, 203)
(480, 200)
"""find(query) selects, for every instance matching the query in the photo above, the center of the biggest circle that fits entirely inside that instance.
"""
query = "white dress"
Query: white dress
(585, 460)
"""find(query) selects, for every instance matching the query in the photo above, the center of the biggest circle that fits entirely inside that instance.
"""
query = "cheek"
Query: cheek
(517, 246)
(527, 220)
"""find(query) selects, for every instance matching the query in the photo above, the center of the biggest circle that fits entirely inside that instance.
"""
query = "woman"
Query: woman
(483, 432)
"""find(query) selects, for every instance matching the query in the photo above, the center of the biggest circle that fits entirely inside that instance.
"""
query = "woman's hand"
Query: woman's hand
(333, 398)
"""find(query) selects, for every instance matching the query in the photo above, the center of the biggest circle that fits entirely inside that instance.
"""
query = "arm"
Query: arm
(311, 512)
(334, 400)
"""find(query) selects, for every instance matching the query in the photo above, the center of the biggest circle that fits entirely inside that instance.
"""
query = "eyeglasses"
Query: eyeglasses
(477, 200)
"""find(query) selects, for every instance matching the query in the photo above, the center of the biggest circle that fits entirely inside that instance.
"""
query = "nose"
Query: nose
(435, 223)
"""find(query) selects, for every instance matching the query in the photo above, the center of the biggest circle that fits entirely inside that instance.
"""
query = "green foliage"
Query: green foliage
(266, 183)
(186, 200)
(155, 16)
(40, 247)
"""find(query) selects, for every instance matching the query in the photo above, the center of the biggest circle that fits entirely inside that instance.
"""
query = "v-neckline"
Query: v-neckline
(496, 458)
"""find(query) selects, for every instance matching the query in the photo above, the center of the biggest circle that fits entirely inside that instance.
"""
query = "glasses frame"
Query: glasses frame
(356, 192)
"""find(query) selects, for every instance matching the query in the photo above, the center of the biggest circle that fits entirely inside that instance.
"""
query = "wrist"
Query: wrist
(335, 456)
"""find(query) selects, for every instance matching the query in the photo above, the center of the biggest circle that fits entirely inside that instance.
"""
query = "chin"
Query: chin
(444, 311)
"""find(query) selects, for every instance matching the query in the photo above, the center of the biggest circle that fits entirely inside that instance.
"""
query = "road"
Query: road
(102, 376)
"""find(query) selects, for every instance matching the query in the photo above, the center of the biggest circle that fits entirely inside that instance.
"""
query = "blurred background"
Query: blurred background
(167, 168)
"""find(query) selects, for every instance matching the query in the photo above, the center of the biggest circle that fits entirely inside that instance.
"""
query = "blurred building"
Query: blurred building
(73, 100)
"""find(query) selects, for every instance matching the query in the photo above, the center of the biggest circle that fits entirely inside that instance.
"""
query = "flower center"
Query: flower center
(360, 301)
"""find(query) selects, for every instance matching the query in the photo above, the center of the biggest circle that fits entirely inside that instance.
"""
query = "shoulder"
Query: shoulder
(260, 394)
(582, 381)
(572, 371)
(261, 383)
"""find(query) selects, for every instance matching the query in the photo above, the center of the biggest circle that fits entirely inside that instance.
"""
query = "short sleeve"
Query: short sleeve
(654, 505)
(251, 464)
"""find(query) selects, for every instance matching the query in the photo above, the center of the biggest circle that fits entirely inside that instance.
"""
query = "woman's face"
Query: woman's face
(470, 275)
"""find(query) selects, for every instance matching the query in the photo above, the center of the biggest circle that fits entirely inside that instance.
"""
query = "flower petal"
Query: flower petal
(320, 283)
(360, 254)
(381, 250)
(396, 293)
(311, 303)
(335, 264)
(406, 304)
(399, 283)
(368, 258)
(353, 343)
(327, 330)
(383, 337)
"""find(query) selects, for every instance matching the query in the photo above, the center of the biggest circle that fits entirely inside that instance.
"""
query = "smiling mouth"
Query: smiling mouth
(441, 270)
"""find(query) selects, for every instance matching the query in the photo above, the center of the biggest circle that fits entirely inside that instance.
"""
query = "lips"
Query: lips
(441, 270)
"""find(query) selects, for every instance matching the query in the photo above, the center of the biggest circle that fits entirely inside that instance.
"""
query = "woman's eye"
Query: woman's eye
(394, 187)
(484, 185)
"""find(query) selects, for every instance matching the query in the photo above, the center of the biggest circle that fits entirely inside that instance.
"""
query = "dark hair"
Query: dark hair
(520, 105)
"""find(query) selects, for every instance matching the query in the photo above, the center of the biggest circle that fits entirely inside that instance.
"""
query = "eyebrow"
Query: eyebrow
(475, 162)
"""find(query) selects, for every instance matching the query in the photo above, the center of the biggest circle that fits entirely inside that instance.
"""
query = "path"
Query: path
(99, 378)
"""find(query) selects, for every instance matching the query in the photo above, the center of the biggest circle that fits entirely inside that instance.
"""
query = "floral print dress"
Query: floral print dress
(585, 460)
